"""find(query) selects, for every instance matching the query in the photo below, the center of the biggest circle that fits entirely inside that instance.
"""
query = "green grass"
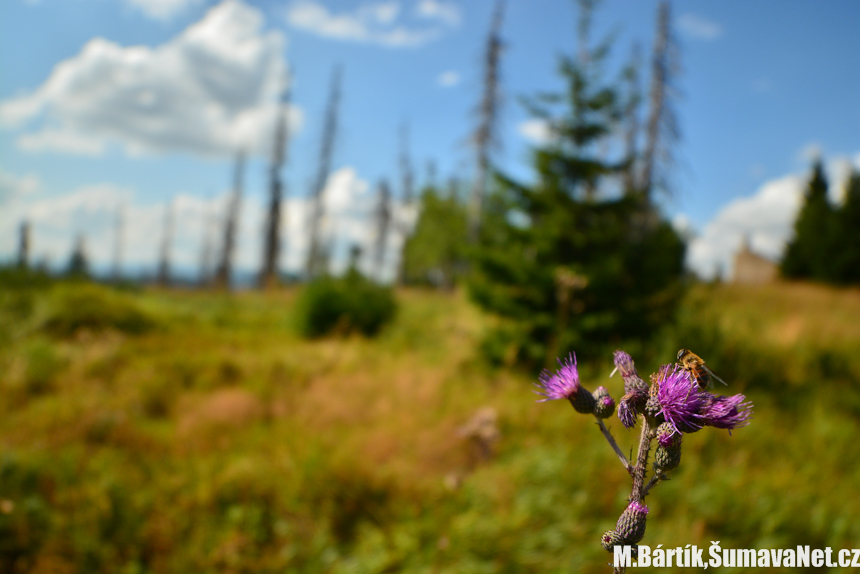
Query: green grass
(199, 432)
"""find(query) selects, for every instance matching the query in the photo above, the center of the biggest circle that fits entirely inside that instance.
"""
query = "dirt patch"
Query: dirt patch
(221, 408)
(789, 330)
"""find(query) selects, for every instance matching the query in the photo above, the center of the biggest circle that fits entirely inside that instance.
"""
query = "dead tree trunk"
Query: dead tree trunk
(406, 174)
(231, 221)
(272, 240)
(118, 228)
(661, 129)
(317, 261)
(166, 243)
(382, 218)
(403, 225)
(207, 248)
(631, 119)
(485, 136)
(24, 245)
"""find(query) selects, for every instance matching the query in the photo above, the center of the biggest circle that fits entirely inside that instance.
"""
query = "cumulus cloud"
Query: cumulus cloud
(699, 28)
(92, 211)
(536, 131)
(209, 91)
(350, 203)
(766, 218)
(448, 79)
(13, 187)
(447, 12)
(162, 9)
(810, 152)
(376, 23)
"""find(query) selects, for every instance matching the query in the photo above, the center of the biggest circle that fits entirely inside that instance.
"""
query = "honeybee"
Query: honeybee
(695, 365)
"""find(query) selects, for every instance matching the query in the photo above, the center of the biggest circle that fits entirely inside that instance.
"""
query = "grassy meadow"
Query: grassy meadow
(178, 431)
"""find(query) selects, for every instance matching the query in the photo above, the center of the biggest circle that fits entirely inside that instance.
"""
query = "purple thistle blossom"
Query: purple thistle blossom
(624, 364)
(564, 384)
(726, 412)
(681, 400)
(627, 408)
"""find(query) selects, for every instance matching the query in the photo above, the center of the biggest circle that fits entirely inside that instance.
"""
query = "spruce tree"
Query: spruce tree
(808, 254)
(846, 245)
(570, 262)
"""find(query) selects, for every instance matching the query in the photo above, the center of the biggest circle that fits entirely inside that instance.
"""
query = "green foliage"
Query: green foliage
(436, 251)
(570, 264)
(25, 518)
(352, 303)
(95, 308)
(357, 438)
(15, 277)
(43, 367)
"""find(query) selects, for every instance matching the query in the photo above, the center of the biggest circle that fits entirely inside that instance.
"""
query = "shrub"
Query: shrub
(344, 305)
(95, 308)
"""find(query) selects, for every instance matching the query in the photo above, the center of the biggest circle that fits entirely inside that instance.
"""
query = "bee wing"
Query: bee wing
(713, 374)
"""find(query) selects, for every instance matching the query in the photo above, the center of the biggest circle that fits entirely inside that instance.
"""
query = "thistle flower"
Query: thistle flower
(726, 412)
(564, 384)
(631, 523)
(630, 406)
(624, 365)
(635, 389)
(681, 401)
(604, 404)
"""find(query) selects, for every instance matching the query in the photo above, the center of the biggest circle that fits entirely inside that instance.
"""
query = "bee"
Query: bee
(695, 365)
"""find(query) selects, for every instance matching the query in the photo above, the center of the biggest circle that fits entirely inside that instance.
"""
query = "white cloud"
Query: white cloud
(209, 91)
(62, 140)
(14, 188)
(536, 130)
(162, 9)
(374, 23)
(699, 28)
(447, 12)
(92, 210)
(349, 206)
(448, 79)
(766, 218)
(810, 152)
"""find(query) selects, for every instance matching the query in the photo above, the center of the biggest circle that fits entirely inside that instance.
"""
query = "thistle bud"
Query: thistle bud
(604, 404)
(631, 524)
(667, 456)
(653, 408)
(609, 539)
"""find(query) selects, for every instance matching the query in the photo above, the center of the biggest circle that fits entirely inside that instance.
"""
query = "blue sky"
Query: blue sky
(130, 105)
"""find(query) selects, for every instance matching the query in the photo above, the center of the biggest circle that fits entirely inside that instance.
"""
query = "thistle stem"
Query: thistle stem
(642, 460)
(614, 446)
(651, 483)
